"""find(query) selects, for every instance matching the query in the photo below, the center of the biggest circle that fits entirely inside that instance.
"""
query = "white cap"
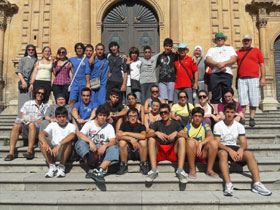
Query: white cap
(247, 36)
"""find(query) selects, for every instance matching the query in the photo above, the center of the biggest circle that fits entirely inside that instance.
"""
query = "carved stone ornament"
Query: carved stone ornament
(7, 10)
(262, 22)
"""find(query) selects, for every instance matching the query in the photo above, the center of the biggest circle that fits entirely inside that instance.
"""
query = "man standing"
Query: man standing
(186, 74)
(250, 62)
(167, 74)
(80, 67)
(227, 132)
(32, 113)
(164, 144)
(98, 70)
(220, 58)
(117, 76)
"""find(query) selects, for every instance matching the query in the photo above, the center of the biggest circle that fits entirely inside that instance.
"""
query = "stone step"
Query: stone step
(130, 182)
(161, 200)
(37, 165)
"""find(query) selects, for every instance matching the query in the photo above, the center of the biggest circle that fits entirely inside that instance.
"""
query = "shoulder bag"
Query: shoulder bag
(73, 78)
(59, 70)
(95, 82)
(236, 80)
(192, 81)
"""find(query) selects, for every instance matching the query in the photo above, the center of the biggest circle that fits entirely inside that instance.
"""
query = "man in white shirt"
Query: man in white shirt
(227, 132)
(98, 144)
(55, 142)
(220, 58)
(31, 116)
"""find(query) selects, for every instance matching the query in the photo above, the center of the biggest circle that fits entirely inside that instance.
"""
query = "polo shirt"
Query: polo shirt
(250, 65)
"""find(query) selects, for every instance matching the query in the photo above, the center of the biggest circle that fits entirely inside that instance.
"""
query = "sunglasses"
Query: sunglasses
(154, 91)
(202, 96)
(165, 112)
(132, 116)
(40, 93)
(62, 52)
(182, 96)
(30, 50)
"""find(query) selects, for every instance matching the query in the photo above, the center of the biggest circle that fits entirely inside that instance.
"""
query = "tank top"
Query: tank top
(209, 111)
(44, 72)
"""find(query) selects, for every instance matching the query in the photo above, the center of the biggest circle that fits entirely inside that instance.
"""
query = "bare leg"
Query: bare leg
(65, 152)
(252, 111)
(105, 164)
(14, 137)
(31, 136)
(223, 163)
(243, 109)
(252, 165)
(212, 149)
(47, 156)
(143, 150)
(153, 152)
(123, 151)
(180, 150)
(215, 108)
(191, 148)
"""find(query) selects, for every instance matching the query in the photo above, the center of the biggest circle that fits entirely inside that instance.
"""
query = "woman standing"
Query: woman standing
(61, 71)
(24, 72)
(42, 74)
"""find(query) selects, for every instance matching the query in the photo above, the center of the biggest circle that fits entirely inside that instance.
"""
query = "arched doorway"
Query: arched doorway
(277, 65)
(131, 23)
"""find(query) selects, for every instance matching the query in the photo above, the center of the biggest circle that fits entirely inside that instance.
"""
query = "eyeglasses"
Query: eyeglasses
(182, 96)
(62, 52)
(30, 50)
(202, 96)
(114, 47)
(165, 112)
(40, 93)
(132, 116)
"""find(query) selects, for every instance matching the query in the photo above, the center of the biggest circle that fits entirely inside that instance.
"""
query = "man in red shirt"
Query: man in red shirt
(249, 80)
(184, 80)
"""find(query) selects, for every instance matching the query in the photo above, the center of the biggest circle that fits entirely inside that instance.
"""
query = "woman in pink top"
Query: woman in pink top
(61, 71)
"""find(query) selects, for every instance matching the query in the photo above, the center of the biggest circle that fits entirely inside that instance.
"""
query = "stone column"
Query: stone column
(268, 95)
(174, 21)
(3, 25)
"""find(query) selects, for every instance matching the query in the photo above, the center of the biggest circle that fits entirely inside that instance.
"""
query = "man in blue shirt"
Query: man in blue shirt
(78, 82)
(99, 69)
(84, 110)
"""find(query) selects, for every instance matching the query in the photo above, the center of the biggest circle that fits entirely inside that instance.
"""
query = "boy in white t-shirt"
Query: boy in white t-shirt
(55, 142)
(98, 142)
(227, 133)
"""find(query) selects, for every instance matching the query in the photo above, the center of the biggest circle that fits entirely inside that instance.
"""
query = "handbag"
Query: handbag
(236, 80)
(135, 85)
(192, 81)
(20, 84)
(73, 78)
(95, 82)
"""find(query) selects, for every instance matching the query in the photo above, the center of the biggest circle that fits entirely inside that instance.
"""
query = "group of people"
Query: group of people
(118, 108)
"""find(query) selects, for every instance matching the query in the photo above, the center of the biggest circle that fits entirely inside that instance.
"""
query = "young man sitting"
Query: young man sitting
(84, 110)
(200, 143)
(58, 143)
(164, 144)
(227, 132)
(132, 139)
(115, 107)
(97, 138)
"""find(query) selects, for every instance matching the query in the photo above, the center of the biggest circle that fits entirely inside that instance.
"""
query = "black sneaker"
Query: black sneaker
(144, 168)
(123, 169)
(97, 175)
(252, 122)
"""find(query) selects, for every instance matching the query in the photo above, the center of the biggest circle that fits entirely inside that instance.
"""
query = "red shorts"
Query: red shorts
(200, 158)
(166, 152)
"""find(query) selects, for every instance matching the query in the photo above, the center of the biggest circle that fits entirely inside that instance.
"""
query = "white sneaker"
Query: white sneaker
(228, 189)
(182, 176)
(151, 175)
(60, 171)
(258, 187)
(51, 172)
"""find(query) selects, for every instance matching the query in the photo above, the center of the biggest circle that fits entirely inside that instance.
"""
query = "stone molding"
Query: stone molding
(7, 10)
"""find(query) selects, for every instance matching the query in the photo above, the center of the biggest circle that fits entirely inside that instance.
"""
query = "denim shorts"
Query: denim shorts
(112, 153)
(166, 90)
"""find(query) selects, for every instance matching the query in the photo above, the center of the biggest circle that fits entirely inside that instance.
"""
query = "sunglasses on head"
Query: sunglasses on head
(202, 96)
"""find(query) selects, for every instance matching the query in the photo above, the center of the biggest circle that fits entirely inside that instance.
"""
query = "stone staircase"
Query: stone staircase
(23, 186)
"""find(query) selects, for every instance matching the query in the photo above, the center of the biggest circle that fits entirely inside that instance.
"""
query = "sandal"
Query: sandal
(9, 157)
(28, 155)
(192, 176)
(212, 174)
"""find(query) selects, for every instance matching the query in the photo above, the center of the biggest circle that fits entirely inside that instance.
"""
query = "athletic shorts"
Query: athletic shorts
(235, 148)
(166, 152)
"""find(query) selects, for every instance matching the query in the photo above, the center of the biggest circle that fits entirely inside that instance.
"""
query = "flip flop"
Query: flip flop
(9, 157)
(28, 155)
(192, 176)
(212, 174)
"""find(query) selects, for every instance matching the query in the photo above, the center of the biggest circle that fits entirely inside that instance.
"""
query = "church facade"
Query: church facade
(136, 23)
